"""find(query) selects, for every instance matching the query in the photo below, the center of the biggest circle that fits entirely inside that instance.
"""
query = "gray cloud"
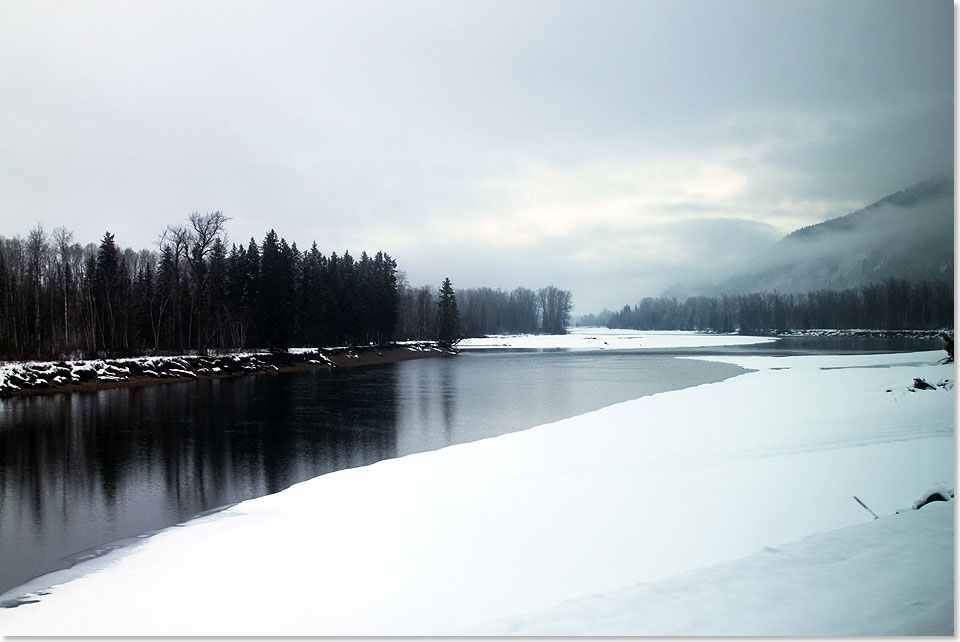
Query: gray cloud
(532, 134)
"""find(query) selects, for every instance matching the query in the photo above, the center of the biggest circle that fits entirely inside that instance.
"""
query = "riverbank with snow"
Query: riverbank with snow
(27, 378)
(635, 493)
(608, 339)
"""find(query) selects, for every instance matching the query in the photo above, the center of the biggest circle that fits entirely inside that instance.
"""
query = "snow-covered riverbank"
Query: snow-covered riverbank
(607, 339)
(23, 378)
(638, 492)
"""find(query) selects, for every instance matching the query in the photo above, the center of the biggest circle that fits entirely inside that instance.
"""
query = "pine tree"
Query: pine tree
(107, 283)
(448, 317)
(275, 292)
(217, 295)
(386, 296)
(164, 303)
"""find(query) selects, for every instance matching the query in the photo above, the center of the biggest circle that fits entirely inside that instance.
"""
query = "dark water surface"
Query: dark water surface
(84, 469)
(788, 346)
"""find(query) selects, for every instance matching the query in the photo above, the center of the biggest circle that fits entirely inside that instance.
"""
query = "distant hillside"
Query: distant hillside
(906, 235)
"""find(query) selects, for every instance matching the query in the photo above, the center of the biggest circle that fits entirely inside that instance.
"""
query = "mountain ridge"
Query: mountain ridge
(925, 190)
(906, 235)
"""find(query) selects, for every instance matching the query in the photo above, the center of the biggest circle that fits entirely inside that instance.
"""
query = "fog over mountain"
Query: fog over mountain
(906, 235)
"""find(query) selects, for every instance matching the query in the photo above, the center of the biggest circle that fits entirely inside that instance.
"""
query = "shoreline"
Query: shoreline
(265, 363)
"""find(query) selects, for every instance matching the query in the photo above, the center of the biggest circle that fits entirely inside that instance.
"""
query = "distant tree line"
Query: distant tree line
(484, 311)
(594, 319)
(894, 304)
(59, 298)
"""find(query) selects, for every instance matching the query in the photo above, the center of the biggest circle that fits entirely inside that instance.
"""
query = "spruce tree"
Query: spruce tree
(448, 318)
(106, 291)
(275, 293)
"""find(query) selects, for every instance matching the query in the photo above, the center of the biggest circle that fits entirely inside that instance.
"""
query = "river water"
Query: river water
(81, 470)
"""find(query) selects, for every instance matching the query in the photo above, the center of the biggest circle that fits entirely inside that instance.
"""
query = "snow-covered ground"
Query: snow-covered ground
(607, 339)
(639, 501)
(890, 577)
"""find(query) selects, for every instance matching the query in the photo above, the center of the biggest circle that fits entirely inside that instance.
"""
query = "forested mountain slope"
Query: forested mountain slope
(906, 235)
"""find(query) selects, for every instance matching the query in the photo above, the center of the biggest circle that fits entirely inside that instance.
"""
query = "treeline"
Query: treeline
(58, 298)
(894, 304)
(595, 319)
(61, 299)
(485, 311)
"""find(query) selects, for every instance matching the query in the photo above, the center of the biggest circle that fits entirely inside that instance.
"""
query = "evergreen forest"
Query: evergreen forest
(893, 304)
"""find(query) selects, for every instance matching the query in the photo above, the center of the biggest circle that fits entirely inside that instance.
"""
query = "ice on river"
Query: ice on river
(637, 501)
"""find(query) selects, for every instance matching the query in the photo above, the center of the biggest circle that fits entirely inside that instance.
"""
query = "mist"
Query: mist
(908, 235)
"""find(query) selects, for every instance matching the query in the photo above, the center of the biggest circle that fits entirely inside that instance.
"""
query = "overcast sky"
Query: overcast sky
(605, 147)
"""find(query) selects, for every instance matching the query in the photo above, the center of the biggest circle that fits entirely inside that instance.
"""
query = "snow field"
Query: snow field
(637, 492)
(889, 577)
(607, 339)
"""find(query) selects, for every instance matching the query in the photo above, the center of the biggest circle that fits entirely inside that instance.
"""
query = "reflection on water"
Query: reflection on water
(785, 346)
(83, 469)
(80, 470)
